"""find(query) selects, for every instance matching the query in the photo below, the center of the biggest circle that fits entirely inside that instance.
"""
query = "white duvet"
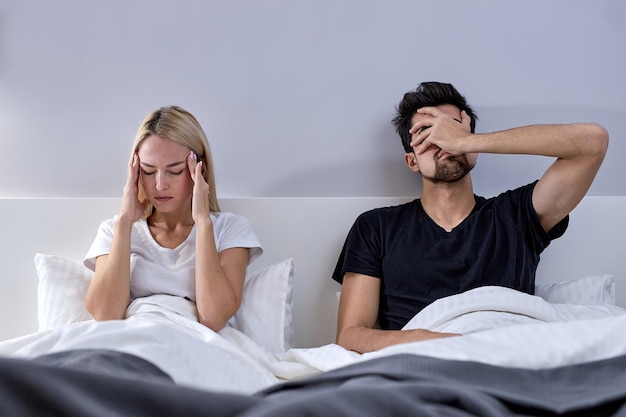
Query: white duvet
(164, 330)
(499, 326)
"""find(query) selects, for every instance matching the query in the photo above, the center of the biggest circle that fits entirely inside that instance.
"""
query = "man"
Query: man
(397, 260)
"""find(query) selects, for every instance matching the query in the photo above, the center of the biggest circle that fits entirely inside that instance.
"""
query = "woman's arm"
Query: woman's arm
(219, 277)
(108, 294)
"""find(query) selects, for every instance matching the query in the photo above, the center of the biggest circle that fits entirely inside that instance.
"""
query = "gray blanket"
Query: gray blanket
(402, 385)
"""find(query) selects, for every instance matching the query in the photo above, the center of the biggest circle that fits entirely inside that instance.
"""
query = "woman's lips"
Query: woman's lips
(162, 199)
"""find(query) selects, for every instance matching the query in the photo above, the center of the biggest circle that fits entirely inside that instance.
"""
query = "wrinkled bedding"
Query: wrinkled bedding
(502, 330)
(500, 326)
(397, 385)
(164, 331)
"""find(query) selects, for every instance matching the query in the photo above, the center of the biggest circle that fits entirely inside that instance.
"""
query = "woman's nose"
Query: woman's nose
(161, 182)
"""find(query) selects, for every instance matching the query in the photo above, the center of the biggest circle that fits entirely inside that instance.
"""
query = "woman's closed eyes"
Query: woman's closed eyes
(144, 172)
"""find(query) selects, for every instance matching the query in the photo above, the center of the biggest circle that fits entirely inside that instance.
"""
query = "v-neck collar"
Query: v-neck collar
(437, 226)
(148, 235)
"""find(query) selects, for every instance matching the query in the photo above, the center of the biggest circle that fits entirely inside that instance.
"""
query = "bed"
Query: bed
(561, 352)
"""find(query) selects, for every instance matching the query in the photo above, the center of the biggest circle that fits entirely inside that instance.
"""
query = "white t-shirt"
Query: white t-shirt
(158, 270)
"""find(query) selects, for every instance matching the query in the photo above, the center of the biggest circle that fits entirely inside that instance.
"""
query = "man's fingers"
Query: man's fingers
(431, 111)
(466, 120)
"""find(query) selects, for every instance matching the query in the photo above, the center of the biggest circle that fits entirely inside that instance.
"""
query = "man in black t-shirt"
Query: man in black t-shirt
(397, 260)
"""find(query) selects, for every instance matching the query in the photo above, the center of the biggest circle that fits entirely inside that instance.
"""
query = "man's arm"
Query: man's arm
(579, 150)
(358, 311)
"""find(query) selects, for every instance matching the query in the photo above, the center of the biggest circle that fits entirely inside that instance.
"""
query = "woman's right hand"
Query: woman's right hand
(132, 209)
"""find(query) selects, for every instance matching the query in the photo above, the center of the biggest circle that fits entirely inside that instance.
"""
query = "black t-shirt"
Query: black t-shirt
(418, 262)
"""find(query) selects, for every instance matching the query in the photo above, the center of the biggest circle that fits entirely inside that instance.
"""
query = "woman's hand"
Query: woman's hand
(200, 198)
(132, 209)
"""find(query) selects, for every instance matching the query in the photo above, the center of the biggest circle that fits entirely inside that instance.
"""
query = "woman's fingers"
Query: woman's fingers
(192, 162)
(133, 169)
(199, 171)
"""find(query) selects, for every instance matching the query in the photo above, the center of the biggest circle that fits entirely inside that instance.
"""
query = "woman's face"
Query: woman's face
(164, 174)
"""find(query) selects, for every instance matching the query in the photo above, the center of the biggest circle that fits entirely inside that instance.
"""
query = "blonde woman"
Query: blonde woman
(170, 236)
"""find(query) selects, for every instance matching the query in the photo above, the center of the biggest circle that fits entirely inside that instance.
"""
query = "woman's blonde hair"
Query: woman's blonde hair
(178, 125)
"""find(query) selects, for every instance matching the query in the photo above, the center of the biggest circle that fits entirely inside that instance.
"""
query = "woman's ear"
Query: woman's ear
(204, 168)
(411, 161)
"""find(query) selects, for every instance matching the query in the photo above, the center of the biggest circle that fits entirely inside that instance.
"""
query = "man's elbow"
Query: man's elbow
(351, 338)
(597, 139)
(340, 338)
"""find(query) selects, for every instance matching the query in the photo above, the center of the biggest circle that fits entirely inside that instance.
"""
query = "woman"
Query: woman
(169, 236)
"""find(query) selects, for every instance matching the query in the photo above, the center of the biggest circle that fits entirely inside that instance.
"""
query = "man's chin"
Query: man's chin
(450, 176)
(445, 180)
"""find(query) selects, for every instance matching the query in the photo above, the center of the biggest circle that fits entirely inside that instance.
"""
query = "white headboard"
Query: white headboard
(309, 229)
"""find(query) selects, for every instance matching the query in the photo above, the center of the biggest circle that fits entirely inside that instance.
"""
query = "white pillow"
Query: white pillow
(265, 314)
(61, 293)
(597, 289)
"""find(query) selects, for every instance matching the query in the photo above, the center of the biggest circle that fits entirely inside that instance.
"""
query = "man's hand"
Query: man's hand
(436, 128)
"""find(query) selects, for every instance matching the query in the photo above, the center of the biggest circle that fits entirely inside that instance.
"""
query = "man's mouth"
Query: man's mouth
(441, 154)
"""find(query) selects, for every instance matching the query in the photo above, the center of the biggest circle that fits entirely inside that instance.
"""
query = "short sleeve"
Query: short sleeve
(361, 252)
(232, 231)
(527, 215)
(101, 244)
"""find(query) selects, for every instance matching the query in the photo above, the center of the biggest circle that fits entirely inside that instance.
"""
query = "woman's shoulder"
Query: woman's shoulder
(228, 216)
(108, 225)
(227, 219)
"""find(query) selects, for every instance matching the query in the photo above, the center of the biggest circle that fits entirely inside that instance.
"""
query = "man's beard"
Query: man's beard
(450, 169)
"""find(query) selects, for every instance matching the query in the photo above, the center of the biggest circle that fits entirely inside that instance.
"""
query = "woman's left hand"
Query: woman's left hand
(200, 196)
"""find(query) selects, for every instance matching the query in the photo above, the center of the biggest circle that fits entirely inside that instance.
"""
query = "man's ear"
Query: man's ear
(411, 161)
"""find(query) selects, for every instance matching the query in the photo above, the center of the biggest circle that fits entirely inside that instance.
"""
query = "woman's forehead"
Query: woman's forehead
(162, 150)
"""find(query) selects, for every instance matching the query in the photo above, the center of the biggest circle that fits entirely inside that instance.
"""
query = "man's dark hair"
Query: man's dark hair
(427, 94)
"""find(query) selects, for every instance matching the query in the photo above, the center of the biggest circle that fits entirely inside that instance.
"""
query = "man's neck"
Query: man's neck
(448, 204)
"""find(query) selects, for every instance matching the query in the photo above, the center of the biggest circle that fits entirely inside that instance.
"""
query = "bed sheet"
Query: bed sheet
(164, 331)
(396, 385)
(499, 326)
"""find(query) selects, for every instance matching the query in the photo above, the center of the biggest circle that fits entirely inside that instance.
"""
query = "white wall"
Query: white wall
(296, 96)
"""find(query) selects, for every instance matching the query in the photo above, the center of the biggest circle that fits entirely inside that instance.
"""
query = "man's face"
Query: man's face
(438, 166)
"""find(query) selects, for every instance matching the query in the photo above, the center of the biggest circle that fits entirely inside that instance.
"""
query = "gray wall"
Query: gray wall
(296, 96)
